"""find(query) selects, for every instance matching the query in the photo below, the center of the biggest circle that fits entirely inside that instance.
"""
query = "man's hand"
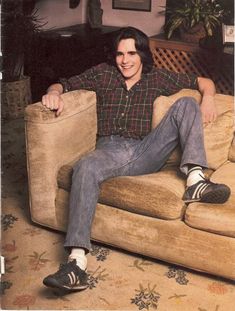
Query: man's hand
(52, 100)
(208, 91)
(208, 109)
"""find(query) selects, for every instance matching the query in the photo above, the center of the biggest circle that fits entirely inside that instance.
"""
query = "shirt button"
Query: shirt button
(122, 114)
(126, 96)
(120, 128)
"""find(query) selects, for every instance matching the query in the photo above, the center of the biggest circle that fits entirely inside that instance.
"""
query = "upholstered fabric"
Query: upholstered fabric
(133, 221)
(54, 141)
(157, 195)
(217, 135)
(74, 102)
(169, 240)
(215, 218)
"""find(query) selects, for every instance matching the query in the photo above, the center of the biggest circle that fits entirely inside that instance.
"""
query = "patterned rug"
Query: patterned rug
(117, 280)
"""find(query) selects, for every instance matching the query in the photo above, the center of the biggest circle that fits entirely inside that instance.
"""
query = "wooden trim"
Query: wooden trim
(189, 58)
(175, 45)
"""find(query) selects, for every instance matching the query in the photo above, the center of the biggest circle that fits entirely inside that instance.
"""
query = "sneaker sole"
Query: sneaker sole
(219, 196)
(54, 284)
(191, 201)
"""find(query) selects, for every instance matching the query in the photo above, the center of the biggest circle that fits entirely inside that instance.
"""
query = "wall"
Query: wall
(58, 14)
(149, 22)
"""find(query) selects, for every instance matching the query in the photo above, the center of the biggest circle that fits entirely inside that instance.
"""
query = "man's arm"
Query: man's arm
(52, 100)
(208, 108)
(88, 80)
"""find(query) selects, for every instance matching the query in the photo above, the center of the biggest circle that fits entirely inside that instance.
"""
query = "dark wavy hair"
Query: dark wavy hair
(141, 45)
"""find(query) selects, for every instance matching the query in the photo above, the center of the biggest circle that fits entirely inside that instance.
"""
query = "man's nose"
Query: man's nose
(125, 58)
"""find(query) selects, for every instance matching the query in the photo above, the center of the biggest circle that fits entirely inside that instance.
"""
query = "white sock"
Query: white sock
(195, 174)
(80, 256)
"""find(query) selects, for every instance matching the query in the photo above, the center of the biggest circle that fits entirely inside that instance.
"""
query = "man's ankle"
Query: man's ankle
(195, 174)
(80, 256)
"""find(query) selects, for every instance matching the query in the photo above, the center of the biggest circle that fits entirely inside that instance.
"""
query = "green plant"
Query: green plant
(18, 30)
(189, 13)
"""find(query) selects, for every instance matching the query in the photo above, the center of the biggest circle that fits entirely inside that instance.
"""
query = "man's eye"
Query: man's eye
(132, 53)
(118, 54)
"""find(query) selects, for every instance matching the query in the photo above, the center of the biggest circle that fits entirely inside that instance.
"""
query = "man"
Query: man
(126, 89)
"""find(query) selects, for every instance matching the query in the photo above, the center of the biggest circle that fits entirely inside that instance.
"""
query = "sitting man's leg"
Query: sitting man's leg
(108, 160)
(181, 125)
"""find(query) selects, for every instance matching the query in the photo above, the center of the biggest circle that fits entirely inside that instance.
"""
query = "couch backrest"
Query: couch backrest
(218, 135)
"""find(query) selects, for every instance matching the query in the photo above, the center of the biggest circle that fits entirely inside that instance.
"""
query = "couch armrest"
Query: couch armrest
(54, 141)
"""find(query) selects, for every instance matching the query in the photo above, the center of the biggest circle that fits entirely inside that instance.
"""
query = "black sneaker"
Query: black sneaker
(207, 192)
(69, 277)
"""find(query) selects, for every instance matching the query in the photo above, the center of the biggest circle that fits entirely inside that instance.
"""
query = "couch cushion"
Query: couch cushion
(157, 195)
(218, 218)
(217, 135)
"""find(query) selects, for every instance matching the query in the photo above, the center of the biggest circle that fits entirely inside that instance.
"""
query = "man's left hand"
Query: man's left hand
(208, 109)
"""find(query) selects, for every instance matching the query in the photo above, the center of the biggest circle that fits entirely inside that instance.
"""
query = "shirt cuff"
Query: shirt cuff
(65, 84)
(195, 83)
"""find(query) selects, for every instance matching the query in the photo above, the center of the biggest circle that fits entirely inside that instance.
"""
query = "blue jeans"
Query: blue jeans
(120, 156)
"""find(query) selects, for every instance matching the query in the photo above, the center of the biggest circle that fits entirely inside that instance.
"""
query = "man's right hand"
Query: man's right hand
(52, 100)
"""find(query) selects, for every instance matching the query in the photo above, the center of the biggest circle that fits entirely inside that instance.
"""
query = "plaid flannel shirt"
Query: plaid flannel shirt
(125, 112)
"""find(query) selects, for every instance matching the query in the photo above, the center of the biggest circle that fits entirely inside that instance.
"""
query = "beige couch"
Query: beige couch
(143, 214)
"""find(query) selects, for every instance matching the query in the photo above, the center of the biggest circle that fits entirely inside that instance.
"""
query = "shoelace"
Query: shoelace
(207, 180)
(65, 268)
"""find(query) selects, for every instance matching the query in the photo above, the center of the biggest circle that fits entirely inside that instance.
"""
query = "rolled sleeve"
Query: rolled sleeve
(172, 82)
(88, 80)
(65, 84)
(178, 81)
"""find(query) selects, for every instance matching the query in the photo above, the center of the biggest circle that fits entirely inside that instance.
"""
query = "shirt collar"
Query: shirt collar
(122, 80)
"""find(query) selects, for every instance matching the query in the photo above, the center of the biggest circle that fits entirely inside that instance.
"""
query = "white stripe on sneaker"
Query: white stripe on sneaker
(202, 190)
(195, 193)
(72, 278)
(199, 190)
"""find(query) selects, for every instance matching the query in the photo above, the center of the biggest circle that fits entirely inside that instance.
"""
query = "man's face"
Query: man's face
(128, 60)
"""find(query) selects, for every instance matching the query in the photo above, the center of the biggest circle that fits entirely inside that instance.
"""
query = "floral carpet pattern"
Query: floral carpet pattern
(117, 280)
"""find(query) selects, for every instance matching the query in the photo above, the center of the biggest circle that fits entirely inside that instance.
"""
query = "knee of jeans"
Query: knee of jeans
(187, 102)
(86, 167)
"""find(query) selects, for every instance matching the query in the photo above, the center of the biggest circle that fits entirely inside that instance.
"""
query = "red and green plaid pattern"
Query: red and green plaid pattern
(127, 112)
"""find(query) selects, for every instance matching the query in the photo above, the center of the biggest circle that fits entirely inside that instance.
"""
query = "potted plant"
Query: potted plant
(194, 19)
(18, 29)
